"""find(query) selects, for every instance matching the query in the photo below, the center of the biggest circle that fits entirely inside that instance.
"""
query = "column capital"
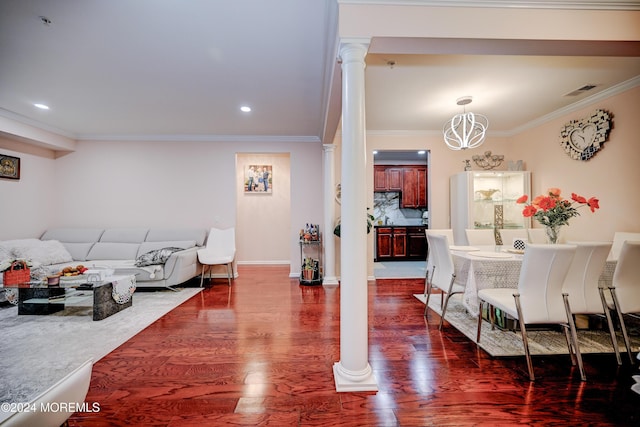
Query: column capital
(354, 48)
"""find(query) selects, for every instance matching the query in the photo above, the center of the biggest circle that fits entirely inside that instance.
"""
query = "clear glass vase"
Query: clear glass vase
(552, 233)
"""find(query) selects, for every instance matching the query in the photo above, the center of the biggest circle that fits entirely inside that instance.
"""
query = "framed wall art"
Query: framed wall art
(9, 167)
(258, 179)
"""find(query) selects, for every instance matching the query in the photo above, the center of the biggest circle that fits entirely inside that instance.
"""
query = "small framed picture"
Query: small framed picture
(9, 167)
(258, 179)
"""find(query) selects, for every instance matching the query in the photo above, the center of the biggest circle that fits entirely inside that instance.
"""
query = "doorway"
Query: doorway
(401, 212)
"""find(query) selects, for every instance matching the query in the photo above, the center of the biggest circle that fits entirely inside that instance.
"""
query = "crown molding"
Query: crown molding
(199, 138)
(531, 4)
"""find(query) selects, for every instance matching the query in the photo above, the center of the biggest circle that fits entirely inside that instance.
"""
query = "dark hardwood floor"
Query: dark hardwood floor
(261, 353)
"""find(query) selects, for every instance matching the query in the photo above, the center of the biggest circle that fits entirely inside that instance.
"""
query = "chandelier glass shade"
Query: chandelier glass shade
(466, 130)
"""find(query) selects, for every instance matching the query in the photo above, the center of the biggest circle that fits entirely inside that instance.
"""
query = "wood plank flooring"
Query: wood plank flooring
(261, 354)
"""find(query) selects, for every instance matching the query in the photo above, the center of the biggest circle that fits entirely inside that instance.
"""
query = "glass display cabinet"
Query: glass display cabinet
(487, 199)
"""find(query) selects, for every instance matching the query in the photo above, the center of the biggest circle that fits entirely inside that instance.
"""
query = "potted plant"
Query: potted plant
(308, 268)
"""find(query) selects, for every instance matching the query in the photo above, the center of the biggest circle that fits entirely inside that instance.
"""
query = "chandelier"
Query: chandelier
(465, 130)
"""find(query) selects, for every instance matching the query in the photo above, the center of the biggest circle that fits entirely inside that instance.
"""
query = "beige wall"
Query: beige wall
(159, 184)
(265, 216)
(612, 175)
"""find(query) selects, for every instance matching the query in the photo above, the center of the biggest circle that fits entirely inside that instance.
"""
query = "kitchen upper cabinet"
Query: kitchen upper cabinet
(394, 179)
(414, 187)
(410, 181)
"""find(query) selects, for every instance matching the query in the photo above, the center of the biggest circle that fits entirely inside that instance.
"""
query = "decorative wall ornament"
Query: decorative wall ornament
(582, 139)
(488, 161)
(9, 167)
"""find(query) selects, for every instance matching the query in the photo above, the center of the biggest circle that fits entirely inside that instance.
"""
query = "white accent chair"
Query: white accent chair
(507, 235)
(581, 289)
(72, 388)
(444, 277)
(481, 236)
(220, 249)
(537, 235)
(619, 238)
(538, 299)
(624, 295)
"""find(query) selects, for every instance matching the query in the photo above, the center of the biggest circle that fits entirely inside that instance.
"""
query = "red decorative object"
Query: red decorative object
(18, 273)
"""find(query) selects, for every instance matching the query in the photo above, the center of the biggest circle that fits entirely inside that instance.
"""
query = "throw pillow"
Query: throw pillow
(158, 256)
(45, 252)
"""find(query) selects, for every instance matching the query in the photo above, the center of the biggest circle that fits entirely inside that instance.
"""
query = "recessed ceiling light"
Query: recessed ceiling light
(245, 109)
(41, 106)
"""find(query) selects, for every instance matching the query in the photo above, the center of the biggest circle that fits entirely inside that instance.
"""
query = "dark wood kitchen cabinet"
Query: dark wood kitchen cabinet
(414, 187)
(400, 243)
(410, 181)
(387, 178)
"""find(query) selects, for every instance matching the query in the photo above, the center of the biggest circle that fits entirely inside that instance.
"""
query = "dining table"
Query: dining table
(482, 267)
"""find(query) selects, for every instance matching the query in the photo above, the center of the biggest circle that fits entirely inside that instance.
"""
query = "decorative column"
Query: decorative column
(329, 216)
(353, 372)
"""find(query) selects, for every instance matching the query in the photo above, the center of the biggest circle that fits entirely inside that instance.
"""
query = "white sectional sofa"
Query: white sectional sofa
(118, 249)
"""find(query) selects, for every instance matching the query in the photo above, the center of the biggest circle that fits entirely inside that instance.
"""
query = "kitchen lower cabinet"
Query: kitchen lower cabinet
(400, 243)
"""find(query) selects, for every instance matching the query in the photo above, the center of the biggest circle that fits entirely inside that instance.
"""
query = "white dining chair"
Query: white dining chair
(220, 250)
(508, 235)
(624, 296)
(581, 289)
(538, 299)
(619, 237)
(62, 397)
(481, 236)
(537, 235)
(444, 277)
(431, 256)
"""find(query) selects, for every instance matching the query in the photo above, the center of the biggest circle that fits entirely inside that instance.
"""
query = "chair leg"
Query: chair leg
(429, 289)
(446, 301)
(479, 321)
(612, 331)
(625, 336)
(229, 272)
(202, 274)
(574, 337)
(525, 341)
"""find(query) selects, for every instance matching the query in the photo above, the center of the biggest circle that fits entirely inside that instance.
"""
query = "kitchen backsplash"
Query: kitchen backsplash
(386, 210)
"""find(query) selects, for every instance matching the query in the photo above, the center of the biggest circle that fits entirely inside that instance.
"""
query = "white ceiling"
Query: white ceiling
(163, 69)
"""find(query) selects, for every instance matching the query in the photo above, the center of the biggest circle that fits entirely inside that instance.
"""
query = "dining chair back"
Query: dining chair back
(581, 285)
(220, 250)
(619, 237)
(538, 299)
(431, 256)
(625, 287)
(480, 236)
(444, 278)
(508, 235)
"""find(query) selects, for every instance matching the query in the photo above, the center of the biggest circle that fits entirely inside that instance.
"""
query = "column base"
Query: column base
(346, 381)
(330, 281)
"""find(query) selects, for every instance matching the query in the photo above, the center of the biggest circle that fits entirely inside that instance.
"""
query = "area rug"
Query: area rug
(37, 351)
(504, 343)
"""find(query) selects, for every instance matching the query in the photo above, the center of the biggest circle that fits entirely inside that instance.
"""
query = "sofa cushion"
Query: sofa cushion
(156, 257)
(78, 251)
(109, 250)
(124, 235)
(152, 246)
(73, 235)
(43, 252)
(169, 234)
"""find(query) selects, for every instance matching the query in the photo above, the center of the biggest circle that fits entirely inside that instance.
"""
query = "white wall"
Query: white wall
(156, 184)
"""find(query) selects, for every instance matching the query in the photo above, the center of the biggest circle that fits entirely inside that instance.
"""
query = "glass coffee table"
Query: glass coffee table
(36, 298)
